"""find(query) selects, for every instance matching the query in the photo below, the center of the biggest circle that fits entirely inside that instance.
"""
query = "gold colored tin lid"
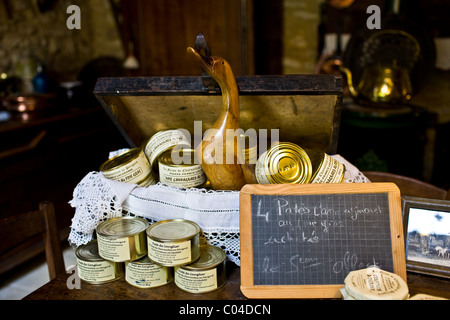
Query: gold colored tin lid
(317, 160)
(185, 154)
(210, 257)
(88, 252)
(122, 227)
(173, 230)
(286, 162)
(121, 159)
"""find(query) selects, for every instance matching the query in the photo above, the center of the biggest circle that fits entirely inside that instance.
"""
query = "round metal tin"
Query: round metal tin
(375, 284)
(284, 162)
(327, 169)
(94, 269)
(183, 175)
(144, 273)
(173, 242)
(165, 140)
(131, 166)
(205, 274)
(122, 239)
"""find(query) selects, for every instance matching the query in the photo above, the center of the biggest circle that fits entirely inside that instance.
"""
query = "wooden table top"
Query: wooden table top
(120, 290)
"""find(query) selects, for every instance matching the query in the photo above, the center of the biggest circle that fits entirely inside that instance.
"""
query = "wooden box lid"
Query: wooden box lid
(305, 108)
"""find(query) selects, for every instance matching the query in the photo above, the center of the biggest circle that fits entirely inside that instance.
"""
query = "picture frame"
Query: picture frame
(426, 225)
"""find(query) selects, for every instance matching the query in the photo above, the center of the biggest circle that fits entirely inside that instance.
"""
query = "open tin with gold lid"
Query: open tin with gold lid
(173, 242)
(122, 239)
(94, 269)
(284, 162)
(206, 274)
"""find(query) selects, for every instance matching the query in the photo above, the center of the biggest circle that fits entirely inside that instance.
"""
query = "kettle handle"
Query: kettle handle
(348, 74)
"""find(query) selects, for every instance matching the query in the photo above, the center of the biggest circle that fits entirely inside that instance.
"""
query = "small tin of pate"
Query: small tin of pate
(94, 269)
(122, 239)
(204, 275)
(173, 242)
(327, 169)
(165, 140)
(284, 162)
(186, 174)
(374, 284)
(131, 166)
(144, 273)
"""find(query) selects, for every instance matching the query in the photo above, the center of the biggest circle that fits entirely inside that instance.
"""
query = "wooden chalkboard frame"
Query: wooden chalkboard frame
(312, 291)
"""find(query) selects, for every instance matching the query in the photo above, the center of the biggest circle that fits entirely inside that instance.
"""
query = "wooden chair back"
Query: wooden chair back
(409, 186)
(23, 236)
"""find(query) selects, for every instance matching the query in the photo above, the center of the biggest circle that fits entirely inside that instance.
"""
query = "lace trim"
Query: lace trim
(95, 201)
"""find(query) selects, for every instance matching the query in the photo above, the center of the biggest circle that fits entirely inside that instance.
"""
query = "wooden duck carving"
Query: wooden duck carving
(219, 157)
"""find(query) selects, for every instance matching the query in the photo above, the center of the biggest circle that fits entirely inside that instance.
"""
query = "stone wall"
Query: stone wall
(26, 31)
(300, 21)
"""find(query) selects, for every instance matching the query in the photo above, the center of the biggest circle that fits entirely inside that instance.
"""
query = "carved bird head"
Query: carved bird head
(218, 68)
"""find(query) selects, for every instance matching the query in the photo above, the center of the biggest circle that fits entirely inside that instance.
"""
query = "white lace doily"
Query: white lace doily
(96, 199)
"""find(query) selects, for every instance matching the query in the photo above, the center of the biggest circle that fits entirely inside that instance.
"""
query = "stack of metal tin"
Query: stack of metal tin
(166, 157)
(152, 255)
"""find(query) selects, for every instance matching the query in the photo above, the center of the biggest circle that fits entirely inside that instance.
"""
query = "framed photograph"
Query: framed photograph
(426, 225)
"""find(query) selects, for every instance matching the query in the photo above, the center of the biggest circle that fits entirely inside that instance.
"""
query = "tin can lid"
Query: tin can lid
(88, 252)
(122, 227)
(173, 230)
(186, 157)
(121, 159)
(210, 257)
(288, 163)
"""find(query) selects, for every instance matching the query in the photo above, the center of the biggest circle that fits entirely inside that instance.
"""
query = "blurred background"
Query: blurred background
(396, 108)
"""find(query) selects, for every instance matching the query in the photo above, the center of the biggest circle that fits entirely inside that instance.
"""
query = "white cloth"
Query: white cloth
(96, 199)
(352, 173)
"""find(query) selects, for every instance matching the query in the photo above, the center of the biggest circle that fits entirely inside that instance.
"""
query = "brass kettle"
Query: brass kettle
(381, 83)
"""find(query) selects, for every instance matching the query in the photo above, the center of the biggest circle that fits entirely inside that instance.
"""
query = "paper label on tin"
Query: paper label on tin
(96, 271)
(133, 172)
(196, 281)
(260, 171)
(331, 171)
(184, 176)
(164, 140)
(114, 249)
(169, 253)
(146, 275)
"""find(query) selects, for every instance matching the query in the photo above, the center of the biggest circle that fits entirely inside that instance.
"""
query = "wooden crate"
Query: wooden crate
(305, 108)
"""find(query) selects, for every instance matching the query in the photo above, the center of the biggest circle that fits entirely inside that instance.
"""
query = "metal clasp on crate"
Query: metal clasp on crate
(202, 47)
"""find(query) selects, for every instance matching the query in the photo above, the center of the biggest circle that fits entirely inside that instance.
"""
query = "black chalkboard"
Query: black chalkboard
(316, 239)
